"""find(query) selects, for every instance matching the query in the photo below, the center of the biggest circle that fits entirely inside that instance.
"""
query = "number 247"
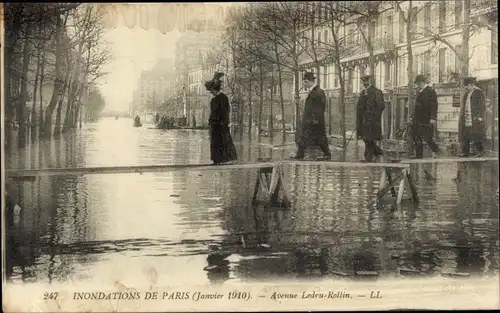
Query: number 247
(50, 295)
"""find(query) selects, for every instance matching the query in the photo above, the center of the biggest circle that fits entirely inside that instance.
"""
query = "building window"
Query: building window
(442, 16)
(458, 13)
(442, 65)
(335, 77)
(415, 64)
(427, 63)
(387, 71)
(373, 29)
(325, 77)
(390, 29)
(350, 78)
(494, 48)
(458, 63)
(402, 29)
(427, 20)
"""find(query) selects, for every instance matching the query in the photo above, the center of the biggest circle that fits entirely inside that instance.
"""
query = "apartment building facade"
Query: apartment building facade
(154, 88)
(436, 59)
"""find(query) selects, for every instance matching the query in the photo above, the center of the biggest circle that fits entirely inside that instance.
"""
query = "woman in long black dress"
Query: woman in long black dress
(222, 148)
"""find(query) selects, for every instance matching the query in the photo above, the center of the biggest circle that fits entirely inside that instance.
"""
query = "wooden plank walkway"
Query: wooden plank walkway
(19, 173)
(130, 169)
(448, 160)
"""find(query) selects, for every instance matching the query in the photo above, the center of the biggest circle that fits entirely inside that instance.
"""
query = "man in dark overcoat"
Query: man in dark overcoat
(368, 118)
(313, 128)
(424, 118)
(471, 122)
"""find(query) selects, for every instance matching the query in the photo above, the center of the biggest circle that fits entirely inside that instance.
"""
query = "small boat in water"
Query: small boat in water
(137, 121)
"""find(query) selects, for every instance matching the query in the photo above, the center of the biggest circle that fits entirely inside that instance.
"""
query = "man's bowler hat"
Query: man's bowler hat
(309, 76)
(420, 79)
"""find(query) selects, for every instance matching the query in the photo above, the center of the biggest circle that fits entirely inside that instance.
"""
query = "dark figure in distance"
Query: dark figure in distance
(424, 118)
(221, 143)
(471, 123)
(157, 118)
(193, 120)
(313, 128)
(137, 120)
(368, 118)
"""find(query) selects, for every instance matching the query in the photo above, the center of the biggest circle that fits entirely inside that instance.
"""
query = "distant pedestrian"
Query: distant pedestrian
(222, 148)
(369, 118)
(423, 123)
(193, 120)
(471, 123)
(313, 128)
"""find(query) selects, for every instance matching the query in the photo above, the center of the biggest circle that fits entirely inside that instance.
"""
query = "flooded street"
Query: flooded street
(162, 228)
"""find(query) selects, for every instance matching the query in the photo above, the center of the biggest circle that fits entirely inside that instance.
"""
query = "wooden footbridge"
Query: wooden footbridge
(270, 179)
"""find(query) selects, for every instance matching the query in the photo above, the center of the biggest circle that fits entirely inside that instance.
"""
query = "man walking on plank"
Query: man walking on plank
(423, 123)
(471, 123)
(313, 128)
(368, 118)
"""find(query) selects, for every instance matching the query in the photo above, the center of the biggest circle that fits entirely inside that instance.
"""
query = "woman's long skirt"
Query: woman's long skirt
(221, 144)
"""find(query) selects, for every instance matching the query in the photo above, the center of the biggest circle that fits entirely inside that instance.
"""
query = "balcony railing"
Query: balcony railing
(379, 44)
(483, 4)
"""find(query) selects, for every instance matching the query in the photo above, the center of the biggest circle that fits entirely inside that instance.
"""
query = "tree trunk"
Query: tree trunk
(261, 100)
(34, 120)
(282, 102)
(464, 54)
(271, 118)
(340, 75)
(58, 80)
(58, 129)
(296, 97)
(11, 40)
(410, 74)
(250, 104)
(296, 76)
(72, 95)
(24, 88)
(42, 77)
(464, 66)
(342, 103)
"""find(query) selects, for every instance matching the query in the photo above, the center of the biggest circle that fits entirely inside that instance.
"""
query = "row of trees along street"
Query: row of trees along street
(264, 43)
(56, 51)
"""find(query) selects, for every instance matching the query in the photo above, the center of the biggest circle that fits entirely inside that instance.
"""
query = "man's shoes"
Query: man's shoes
(326, 157)
(366, 161)
(462, 155)
(298, 158)
(414, 157)
(437, 153)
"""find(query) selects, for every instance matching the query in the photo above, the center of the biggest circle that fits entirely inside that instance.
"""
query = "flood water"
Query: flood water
(161, 228)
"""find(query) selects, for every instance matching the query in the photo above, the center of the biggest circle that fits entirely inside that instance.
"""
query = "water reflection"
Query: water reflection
(201, 226)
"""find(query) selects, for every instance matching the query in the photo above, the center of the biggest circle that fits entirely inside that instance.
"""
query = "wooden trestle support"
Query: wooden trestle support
(270, 182)
(388, 183)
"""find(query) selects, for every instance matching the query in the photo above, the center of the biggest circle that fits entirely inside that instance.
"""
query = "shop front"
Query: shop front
(448, 112)
(490, 89)
(399, 112)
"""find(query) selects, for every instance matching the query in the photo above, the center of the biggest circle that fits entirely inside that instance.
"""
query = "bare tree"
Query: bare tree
(337, 49)
(409, 19)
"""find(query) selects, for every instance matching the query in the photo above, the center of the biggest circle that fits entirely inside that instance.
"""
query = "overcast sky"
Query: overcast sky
(135, 50)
